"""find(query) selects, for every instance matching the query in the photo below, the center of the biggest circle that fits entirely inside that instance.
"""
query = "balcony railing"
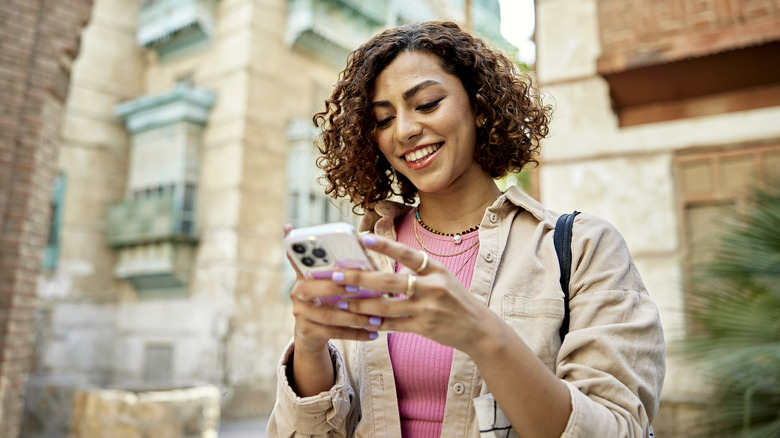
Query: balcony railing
(156, 218)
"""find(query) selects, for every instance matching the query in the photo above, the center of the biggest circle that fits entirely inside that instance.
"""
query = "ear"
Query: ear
(479, 116)
(478, 107)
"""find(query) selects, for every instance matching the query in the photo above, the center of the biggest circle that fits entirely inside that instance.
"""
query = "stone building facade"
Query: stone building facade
(165, 167)
(186, 145)
(666, 112)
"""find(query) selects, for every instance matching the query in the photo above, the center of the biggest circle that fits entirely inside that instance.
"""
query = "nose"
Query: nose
(407, 127)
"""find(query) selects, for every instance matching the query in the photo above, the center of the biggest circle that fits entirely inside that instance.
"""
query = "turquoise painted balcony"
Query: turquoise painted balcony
(176, 27)
(155, 218)
(332, 28)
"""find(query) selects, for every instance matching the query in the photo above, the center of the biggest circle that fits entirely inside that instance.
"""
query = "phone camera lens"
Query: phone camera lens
(308, 261)
(319, 253)
(300, 249)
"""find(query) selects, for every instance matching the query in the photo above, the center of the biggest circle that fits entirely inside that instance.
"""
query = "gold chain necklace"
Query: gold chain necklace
(419, 240)
(456, 237)
(471, 256)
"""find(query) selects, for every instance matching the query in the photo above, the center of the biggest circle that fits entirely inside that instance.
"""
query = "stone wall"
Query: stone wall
(48, 407)
(121, 413)
(38, 42)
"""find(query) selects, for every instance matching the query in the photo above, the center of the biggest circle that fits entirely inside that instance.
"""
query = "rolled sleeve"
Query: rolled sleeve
(614, 370)
(324, 414)
(613, 358)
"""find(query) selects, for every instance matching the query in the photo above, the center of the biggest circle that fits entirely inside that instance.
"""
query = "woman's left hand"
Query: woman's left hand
(440, 308)
(436, 305)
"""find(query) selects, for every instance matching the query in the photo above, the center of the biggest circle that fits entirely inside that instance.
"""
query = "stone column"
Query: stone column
(39, 40)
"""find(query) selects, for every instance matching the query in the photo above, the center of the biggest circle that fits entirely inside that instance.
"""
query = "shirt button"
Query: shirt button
(459, 388)
(493, 217)
(489, 257)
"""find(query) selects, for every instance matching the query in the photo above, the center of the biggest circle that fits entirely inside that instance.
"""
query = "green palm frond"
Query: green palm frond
(735, 306)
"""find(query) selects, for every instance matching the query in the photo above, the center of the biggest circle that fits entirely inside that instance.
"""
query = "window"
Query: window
(188, 209)
(307, 203)
(51, 254)
(158, 363)
(713, 184)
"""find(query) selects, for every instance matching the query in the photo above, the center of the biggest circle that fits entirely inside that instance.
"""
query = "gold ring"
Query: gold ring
(424, 262)
(411, 285)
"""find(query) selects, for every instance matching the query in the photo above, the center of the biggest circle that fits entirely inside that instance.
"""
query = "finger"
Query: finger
(318, 291)
(312, 329)
(338, 316)
(383, 283)
(388, 309)
(411, 258)
(400, 324)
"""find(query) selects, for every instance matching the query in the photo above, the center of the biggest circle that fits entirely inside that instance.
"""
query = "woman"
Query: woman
(428, 114)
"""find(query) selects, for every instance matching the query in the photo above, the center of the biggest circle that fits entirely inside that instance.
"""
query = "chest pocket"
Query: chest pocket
(536, 321)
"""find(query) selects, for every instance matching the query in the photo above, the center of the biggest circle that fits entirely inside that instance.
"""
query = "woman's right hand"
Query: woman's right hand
(315, 324)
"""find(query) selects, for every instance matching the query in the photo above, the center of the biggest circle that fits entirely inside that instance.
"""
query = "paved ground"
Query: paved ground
(252, 428)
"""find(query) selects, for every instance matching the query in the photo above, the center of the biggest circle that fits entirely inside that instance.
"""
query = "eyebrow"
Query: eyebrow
(408, 93)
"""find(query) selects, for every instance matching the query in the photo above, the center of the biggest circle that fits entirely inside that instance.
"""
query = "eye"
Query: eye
(384, 123)
(430, 106)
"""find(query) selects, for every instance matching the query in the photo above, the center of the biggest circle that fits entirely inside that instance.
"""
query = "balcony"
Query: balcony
(667, 60)
(153, 230)
(184, 103)
(151, 219)
(332, 28)
(174, 27)
(155, 241)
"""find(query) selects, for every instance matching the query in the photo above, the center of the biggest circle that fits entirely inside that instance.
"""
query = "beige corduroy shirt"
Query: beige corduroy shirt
(612, 358)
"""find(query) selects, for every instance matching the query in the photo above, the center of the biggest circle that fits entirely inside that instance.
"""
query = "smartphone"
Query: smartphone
(320, 250)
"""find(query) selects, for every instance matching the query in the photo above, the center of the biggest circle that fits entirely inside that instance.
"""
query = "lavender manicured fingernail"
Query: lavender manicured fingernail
(375, 320)
(373, 335)
(337, 276)
(343, 305)
(369, 240)
(352, 289)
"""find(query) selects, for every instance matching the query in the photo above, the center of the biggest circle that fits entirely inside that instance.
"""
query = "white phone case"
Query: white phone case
(320, 250)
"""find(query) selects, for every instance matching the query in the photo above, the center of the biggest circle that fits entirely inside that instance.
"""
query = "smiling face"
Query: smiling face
(425, 123)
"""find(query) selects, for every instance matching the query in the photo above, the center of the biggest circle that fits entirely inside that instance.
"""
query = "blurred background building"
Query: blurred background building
(185, 142)
(666, 113)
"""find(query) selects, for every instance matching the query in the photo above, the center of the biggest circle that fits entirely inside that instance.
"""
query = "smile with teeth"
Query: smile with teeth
(421, 153)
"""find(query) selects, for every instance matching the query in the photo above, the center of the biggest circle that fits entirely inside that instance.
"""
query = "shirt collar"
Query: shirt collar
(512, 198)
(516, 197)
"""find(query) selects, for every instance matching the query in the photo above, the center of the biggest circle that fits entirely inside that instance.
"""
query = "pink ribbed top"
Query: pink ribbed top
(422, 367)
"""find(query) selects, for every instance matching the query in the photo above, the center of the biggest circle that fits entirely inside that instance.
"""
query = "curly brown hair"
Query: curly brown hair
(515, 118)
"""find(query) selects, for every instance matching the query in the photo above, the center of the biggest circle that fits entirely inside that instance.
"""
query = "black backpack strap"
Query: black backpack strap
(562, 240)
